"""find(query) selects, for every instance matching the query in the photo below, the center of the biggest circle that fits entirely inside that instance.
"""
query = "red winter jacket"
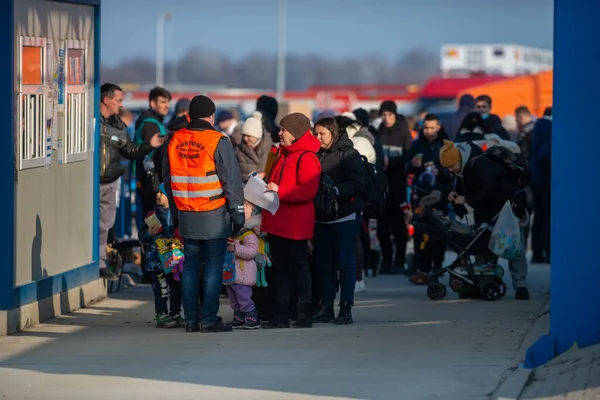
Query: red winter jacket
(295, 218)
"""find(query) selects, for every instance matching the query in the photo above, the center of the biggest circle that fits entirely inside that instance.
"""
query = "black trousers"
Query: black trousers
(370, 258)
(148, 198)
(291, 264)
(540, 229)
(392, 223)
(428, 253)
(166, 290)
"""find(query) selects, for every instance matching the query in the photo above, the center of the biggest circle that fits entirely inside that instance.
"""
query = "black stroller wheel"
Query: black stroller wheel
(503, 288)
(492, 290)
(436, 291)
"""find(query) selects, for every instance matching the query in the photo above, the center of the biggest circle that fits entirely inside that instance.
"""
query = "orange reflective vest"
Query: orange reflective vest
(194, 181)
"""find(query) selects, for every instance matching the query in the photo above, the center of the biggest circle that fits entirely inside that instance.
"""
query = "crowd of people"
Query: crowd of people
(285, 269)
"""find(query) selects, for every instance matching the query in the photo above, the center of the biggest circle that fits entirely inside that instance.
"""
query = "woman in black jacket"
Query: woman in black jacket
(334, 241)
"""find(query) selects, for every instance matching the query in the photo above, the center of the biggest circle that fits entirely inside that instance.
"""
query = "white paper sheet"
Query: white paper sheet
(255, 193)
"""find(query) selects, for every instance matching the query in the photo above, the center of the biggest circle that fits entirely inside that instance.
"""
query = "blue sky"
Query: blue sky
(336, 29)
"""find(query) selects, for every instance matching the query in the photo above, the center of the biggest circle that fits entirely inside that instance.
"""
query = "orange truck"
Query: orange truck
(533, 91)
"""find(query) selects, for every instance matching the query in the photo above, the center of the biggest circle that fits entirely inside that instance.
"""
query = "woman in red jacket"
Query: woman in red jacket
(296, 180)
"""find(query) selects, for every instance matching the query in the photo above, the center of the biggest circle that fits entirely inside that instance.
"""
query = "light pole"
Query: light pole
(281, 50)
(160, 46)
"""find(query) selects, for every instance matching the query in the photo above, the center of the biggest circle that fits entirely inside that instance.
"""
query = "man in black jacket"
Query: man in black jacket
(396, 140)
(492, 122)
(114, 145)
(149, 123)
(486, 184)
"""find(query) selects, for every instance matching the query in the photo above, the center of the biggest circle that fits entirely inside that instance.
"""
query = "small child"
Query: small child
(167, 287)
(245, 248)
(429, 250)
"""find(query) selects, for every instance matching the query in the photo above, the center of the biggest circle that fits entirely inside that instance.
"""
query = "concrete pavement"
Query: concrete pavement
(402, 346)
(574, 375)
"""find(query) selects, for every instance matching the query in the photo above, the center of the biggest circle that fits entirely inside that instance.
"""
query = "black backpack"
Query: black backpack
(376, 189)
(326, 206)
(516, 164)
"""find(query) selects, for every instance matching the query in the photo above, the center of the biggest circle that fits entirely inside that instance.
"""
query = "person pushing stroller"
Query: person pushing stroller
(485, 184)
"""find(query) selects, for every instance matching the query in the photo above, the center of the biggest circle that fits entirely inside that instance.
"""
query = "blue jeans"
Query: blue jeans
(212, 254)
(334, 251)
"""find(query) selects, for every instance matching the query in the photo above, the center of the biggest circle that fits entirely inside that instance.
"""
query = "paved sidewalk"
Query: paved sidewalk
(402, 346)
(574, 375)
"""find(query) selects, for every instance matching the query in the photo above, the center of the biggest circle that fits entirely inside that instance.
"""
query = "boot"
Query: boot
(304, 318)
(277, 322)
(324, 314)
(345, 315)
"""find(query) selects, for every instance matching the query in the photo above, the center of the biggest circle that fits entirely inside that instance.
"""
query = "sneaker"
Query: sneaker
(361, 286)
(251, 321)
(216, 327)
(192, 327)
(238, 320)
(165, 321)
(179, 319)
(108, 275)
(522, 294)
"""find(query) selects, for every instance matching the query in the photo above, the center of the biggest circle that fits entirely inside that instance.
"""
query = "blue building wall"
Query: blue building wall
(12, 297)
(575, 303)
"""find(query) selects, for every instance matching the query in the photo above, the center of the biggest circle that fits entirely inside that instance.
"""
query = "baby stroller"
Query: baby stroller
(467, 275)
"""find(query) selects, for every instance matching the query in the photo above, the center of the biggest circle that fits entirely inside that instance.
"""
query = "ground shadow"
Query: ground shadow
(399, 338)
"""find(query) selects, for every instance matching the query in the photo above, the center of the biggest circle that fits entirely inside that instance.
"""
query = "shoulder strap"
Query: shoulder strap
(245, 235)
(138, 132)
(298, 163)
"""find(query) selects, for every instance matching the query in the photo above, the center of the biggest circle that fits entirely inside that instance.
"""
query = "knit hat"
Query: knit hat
(388, 105)
(471, 121)
(362, 116)
(466, 100)
(161, 188)
(201, 107)
(268, 105)
(325, 114)
(223, 116)
(295, 123)
(253, 127)
(349, 114)
(449, 154)
(182, 105)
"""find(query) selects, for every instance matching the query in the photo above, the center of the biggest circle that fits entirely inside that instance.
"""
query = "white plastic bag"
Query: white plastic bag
(506, 241)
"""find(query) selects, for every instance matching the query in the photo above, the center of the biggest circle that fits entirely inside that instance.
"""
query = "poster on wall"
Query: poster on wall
(48, 143)
(76, 67)
(61, 79)
(32, 61)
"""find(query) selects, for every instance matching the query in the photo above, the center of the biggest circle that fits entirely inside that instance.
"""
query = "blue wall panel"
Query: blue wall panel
(575, 302)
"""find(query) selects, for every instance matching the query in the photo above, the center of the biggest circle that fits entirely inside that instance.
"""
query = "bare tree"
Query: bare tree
(258, 70)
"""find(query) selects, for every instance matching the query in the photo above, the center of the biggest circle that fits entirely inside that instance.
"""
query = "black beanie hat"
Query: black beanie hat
(472, 121)
(201, 107)
(388, 105)
(362, 116)
(268, 106)
(295, 123)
